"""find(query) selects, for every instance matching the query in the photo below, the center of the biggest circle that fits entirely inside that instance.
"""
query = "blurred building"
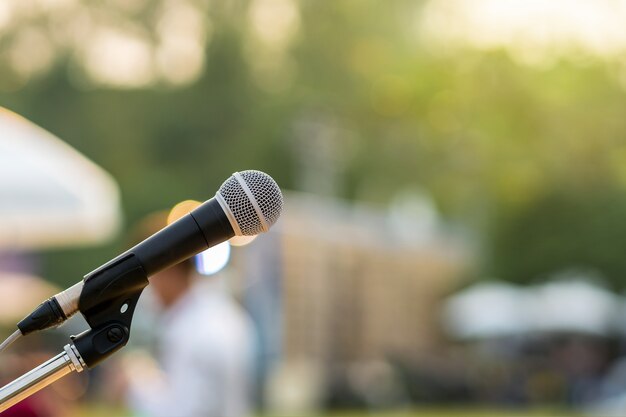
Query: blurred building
(334, 286)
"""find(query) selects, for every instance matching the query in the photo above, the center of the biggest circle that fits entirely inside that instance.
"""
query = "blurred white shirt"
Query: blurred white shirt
(205, 349)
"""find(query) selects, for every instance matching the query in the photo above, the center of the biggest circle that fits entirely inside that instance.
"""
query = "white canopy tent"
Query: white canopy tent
(492, 310)
(487, 310)
(50, 194)
(574, 305)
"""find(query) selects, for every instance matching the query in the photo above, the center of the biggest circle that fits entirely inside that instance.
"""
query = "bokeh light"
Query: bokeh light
(214, 259)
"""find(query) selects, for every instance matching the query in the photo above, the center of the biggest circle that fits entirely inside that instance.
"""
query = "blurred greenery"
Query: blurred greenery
(97, 412)
(457, 413)
(566, 230)
(531, 158)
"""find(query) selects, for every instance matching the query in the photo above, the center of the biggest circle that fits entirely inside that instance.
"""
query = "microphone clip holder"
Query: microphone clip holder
(108, 302)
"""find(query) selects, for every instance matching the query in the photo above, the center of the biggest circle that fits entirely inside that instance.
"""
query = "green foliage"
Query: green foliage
(567, 229)
(490, 139)
(442, 412)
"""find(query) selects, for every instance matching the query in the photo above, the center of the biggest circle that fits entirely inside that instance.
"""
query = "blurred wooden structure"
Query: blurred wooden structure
(351, 292)
(332, 285)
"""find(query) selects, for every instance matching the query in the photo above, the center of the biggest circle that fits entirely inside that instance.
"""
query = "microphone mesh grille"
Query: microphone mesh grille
(266, 193)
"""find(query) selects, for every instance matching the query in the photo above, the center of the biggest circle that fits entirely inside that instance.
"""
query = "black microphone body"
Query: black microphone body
(204, 227)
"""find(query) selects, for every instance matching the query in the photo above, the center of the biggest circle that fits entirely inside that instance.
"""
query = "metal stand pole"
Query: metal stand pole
(45, 374)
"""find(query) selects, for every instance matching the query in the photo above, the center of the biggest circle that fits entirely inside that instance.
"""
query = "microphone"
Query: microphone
(247, 203)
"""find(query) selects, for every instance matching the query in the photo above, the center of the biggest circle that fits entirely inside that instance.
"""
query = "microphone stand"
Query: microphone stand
(108, 300)
(45, 374)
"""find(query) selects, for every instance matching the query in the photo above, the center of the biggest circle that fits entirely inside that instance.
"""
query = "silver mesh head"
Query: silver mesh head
(252, 201)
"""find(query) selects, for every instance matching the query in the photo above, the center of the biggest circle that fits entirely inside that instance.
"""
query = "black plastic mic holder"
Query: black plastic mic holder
(108, 302)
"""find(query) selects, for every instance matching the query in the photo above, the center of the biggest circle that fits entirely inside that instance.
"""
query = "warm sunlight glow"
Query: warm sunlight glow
(533, 30)
(107, 44)
(183, 33)
(273, 25)
(119, 58)
(182, 209)
(6, 11)
(241, 240)
(274, 21)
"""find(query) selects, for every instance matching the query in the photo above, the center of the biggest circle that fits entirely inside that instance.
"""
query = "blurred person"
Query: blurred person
(202, 366)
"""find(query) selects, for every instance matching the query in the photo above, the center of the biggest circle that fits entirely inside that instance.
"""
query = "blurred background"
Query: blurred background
(454, 175)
